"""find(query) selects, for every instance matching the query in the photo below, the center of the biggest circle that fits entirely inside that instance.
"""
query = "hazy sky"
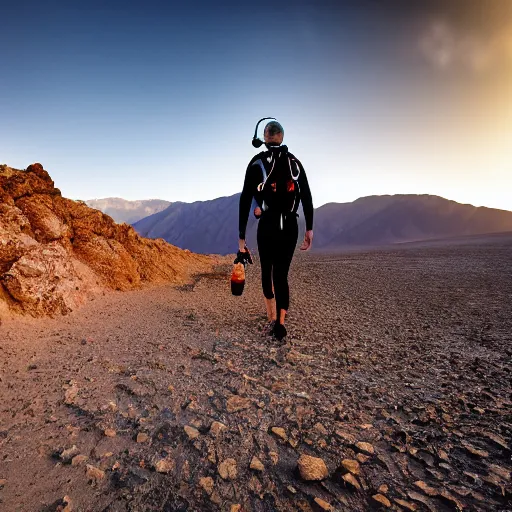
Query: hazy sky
(159, 100)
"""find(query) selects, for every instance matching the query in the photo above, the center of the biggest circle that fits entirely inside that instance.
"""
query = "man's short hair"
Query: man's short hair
(273, 128)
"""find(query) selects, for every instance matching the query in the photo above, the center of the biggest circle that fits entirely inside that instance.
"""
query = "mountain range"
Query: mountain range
(212, 226)
(122, 210)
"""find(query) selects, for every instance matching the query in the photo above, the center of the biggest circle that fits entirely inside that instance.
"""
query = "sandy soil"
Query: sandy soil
(406, 349)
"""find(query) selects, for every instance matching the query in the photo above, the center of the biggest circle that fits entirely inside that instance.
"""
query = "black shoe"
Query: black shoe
(279, 331)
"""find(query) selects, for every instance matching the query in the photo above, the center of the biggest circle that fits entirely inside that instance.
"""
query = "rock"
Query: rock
(256, 464)
(323, 504)
(191, 432)
(70, 394)
(77, 460)
(207, 484)
(94, 474)
(498, 470)
(216, 428)
(365, 448)
(68, 454)
(165, 465)
(237, 403)
(142, 437)
(426, 488)
(362, 458)
(110, 432)
(348, 438)
(352, 466)
(3, 481)
(236, 508)
(443, 455)
(383, 489)
(280, 432)
(406, 504)
(274, 457)
(303, 506)
(68, 504)
(312, 468)
(351, 479)
(475, 451)
(382, 500)
(227, 469)
(56, 253)
(318, 427)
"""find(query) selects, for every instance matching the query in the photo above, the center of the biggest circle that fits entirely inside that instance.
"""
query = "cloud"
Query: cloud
(446, 47)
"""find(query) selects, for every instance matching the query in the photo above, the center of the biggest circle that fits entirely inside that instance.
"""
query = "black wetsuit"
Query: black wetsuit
(277, 229)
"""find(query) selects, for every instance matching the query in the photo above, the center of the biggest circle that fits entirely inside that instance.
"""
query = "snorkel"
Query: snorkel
(274, 128)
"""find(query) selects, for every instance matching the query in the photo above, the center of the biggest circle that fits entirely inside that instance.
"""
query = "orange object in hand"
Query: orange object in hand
(238, 279)
(238, 273)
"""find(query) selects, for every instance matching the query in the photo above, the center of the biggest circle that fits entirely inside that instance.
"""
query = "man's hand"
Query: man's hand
(308, 241)
(241, 245)
(257, 212)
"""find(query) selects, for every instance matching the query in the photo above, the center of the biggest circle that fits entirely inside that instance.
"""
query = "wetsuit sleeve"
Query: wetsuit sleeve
(250, 184)
(305, 197)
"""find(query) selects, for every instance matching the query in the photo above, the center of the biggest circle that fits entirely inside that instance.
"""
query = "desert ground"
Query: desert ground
(396, 373)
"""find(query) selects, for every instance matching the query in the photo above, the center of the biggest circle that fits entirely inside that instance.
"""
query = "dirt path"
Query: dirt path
(406, 350)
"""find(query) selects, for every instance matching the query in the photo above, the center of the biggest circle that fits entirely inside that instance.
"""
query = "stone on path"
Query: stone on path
(365, 447)
(382, 500)
(237, 403)
(164, 465)
(256, 464)
(216, 428)
(312, 468)
(78, 459)
(207, 484)
(68, 454)
(280, 432)
(94, 474)
(352, 466)
(323, 504)
(351, 479)
(191, 432)
(228, 469)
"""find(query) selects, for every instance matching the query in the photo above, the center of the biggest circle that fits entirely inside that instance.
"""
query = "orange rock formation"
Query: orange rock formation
(55, 253)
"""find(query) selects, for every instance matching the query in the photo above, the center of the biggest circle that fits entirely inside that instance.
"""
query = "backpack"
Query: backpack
(279, 190)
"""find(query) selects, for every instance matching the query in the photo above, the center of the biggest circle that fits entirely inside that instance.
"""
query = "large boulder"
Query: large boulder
(46, 280)
(55, 253)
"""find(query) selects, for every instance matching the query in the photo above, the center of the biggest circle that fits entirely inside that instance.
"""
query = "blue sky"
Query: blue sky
(159, 100)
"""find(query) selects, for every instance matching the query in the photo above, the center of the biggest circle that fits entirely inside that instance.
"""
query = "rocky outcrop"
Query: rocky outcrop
(56, 253)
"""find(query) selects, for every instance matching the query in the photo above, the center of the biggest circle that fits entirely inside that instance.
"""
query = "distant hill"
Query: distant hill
(198, 226)
(212, 226)
(122, 210)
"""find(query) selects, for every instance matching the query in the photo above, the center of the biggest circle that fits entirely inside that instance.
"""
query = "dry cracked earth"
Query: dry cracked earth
(393, 391)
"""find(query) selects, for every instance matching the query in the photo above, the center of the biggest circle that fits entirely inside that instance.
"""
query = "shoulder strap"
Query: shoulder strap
(295, 177)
